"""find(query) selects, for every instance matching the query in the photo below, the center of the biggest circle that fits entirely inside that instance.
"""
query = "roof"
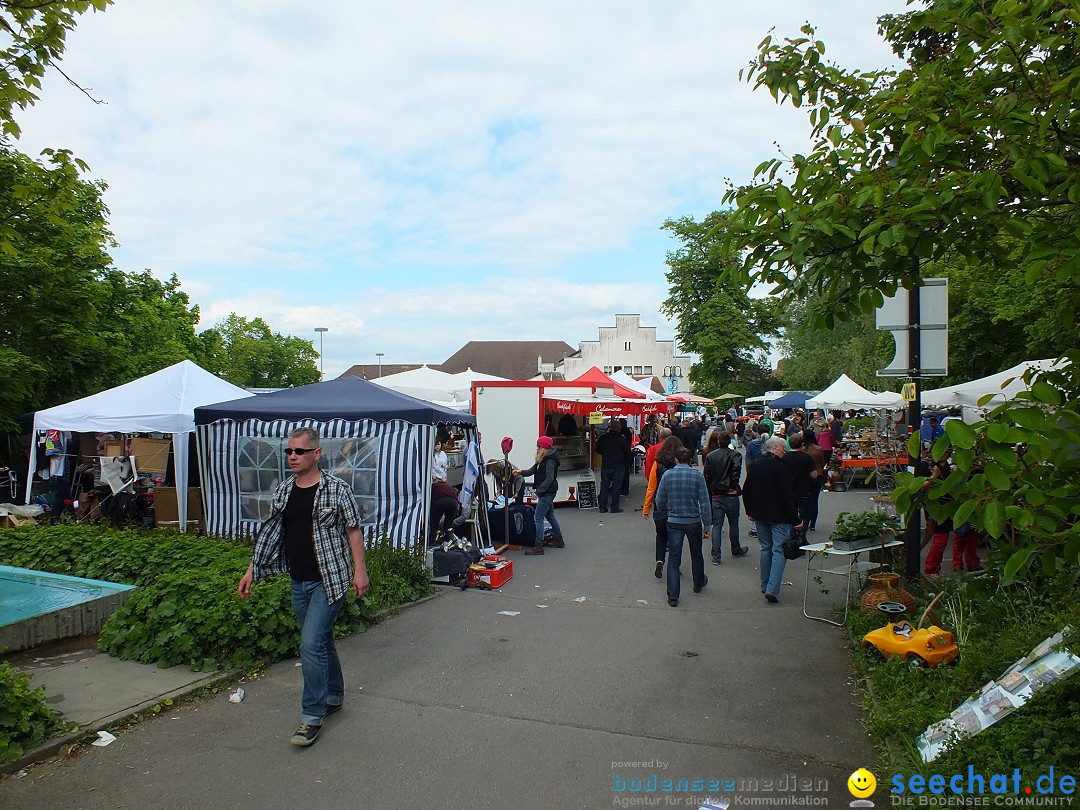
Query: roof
(372, 371)
(512, 359)
(595, 376)
(344, 398)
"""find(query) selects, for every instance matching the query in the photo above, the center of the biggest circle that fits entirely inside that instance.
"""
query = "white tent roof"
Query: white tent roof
(638, 385)
(468, 377)
(970, 393)
(426, 383)
(162, 402)
(845, 393)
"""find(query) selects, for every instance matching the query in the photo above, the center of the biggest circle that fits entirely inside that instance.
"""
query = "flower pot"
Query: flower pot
(885, 590)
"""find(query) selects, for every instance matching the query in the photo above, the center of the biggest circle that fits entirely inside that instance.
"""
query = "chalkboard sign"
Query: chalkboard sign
(586, 495)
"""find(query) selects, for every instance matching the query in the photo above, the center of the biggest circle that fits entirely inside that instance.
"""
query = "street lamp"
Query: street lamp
(322, 330)
(380, 356)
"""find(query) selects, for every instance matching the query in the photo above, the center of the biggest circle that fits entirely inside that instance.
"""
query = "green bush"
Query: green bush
(186, 610)
(995, 626)
(25, 720)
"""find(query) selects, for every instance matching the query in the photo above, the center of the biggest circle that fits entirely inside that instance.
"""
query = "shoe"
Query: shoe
(603, 508)
(716, 562)
(753, 532)
(701, 587)
(659, 570)
(555, 542)
(536, 550)
(332, 708)
(673, 602)
(772, 600)
(616, 510)
(742, 552)
(811, 528)
(305, 735)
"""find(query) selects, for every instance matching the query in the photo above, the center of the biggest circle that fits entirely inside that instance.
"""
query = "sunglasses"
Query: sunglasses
(299, 451)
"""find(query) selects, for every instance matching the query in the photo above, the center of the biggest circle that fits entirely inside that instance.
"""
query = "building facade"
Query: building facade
(632, 348)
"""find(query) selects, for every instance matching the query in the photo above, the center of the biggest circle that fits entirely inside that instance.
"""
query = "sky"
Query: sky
(415, 175)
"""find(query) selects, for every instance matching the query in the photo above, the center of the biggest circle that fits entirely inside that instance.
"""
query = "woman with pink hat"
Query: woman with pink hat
(545, 474)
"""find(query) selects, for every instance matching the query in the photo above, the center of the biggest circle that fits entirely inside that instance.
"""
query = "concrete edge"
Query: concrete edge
(52, 747)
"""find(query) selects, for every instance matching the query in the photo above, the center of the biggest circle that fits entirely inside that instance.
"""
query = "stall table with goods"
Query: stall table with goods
(859, 456)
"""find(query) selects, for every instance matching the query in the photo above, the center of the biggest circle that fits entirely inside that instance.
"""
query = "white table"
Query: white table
(851, 565)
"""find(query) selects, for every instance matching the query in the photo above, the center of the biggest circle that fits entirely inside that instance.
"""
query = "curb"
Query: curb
(54, 746)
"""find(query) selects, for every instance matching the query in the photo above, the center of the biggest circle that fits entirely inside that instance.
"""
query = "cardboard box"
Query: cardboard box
(167, 511)
(14, 521)
(151, 455)
(490, 574)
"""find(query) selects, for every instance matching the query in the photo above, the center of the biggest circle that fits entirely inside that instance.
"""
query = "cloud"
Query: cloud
(407, 173)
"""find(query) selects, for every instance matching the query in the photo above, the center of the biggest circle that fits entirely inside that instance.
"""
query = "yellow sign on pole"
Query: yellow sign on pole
(596, 418)
(908, 392)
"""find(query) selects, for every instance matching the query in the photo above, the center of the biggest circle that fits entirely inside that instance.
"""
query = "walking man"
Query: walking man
(723, 470)
(682, 499)
(614, 452)
(770, 502)
(313, 532)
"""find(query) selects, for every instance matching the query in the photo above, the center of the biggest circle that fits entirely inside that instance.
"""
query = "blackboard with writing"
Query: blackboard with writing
(586, 495)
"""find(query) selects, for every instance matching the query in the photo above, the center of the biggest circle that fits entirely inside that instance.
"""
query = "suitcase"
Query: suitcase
(522, 526)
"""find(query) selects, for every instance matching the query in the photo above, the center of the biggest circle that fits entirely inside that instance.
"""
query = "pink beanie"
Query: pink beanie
(545, 442)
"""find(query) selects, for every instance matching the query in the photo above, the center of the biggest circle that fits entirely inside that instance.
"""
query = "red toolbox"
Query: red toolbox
(493, 571)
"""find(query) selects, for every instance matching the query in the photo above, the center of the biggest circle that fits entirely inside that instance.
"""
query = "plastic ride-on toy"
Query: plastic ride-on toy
(920, 646)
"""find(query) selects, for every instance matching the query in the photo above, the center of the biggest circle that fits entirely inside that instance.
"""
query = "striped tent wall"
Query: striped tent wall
(404, 471)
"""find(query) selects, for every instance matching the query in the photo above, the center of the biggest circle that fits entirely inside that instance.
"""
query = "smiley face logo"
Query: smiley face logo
(861, 783)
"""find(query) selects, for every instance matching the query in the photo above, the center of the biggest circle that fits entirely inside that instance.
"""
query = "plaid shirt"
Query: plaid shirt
(335, 511)
(682, 497)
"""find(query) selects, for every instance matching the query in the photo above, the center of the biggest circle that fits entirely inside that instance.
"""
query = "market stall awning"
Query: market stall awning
(689, 399)
(609, 406)
(595, 376)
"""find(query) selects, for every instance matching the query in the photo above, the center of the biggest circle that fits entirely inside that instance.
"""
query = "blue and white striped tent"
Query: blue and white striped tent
(380, 441)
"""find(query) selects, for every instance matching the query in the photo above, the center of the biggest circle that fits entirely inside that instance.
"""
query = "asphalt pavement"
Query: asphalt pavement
(573, 686)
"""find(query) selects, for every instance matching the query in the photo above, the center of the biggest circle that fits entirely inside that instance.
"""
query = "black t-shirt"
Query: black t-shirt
(299, 544)
(801, 465)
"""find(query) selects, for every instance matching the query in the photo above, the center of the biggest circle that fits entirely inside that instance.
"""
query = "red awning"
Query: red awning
(580, 406)
(595, 376)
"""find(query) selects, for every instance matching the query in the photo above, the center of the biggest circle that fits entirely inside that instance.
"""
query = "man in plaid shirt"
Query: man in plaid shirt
(313, 532)
(683, 499)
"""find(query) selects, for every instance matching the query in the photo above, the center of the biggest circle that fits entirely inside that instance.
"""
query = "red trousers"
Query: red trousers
(965, 552)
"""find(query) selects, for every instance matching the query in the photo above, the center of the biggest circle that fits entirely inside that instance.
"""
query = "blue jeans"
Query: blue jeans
(692, 533)
(724, 506)
(545, 508)
(610, 486)
(771, 536)
(319, 663)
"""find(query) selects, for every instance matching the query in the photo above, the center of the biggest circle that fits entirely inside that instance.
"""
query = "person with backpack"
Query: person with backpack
(665, 460)
(723, 470)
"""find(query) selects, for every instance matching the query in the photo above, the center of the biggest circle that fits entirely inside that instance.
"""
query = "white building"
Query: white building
(633, 348)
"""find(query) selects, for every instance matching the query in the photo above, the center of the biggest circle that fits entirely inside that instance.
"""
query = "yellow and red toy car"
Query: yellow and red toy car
(920, 646)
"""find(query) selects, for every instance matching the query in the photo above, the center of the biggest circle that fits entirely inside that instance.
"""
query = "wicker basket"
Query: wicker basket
(885, 590)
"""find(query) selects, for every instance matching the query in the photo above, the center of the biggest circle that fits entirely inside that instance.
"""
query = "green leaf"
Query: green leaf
(960, 434)
(913, 443)
(939, 447)
(994, 518)
(963, 512)
(1018, 562)
(1044, 392)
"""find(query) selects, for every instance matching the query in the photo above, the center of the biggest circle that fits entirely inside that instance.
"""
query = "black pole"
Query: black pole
(913, 533)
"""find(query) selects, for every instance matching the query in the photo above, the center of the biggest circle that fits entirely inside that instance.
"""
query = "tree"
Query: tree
(717, 319)
(970, 151)
(249, 354)
(975, 140)
(36, 31)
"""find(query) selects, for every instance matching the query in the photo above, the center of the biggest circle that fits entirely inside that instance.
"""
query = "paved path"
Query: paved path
(452, 704)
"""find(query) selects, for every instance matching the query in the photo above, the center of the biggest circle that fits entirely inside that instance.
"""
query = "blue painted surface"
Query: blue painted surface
(25, 593)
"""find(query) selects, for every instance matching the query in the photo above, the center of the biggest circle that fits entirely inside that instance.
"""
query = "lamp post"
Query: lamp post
(322, 330)
(380, 356)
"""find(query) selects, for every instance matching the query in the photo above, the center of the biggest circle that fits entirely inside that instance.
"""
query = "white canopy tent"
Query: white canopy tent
(162, 402)
(638, 385)
(846, 394)
(425, 383)
(968, 394)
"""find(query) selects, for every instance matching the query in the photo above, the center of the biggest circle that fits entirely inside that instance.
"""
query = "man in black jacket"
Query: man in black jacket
(770, 502)
(723, 470)
(614, 452)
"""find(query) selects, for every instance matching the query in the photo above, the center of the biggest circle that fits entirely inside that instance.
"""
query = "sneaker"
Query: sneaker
(716, 562)
(673, 602)
(742, 552)
(753, 532)
(305, 735)
(772, 600)
(616, 510)
(332, 708)
(659, 570)
(701, 587)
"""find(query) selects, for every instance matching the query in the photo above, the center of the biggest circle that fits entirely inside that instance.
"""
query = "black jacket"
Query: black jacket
(614, 449)
(767, 494)
(546, 474)
(723, 469)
